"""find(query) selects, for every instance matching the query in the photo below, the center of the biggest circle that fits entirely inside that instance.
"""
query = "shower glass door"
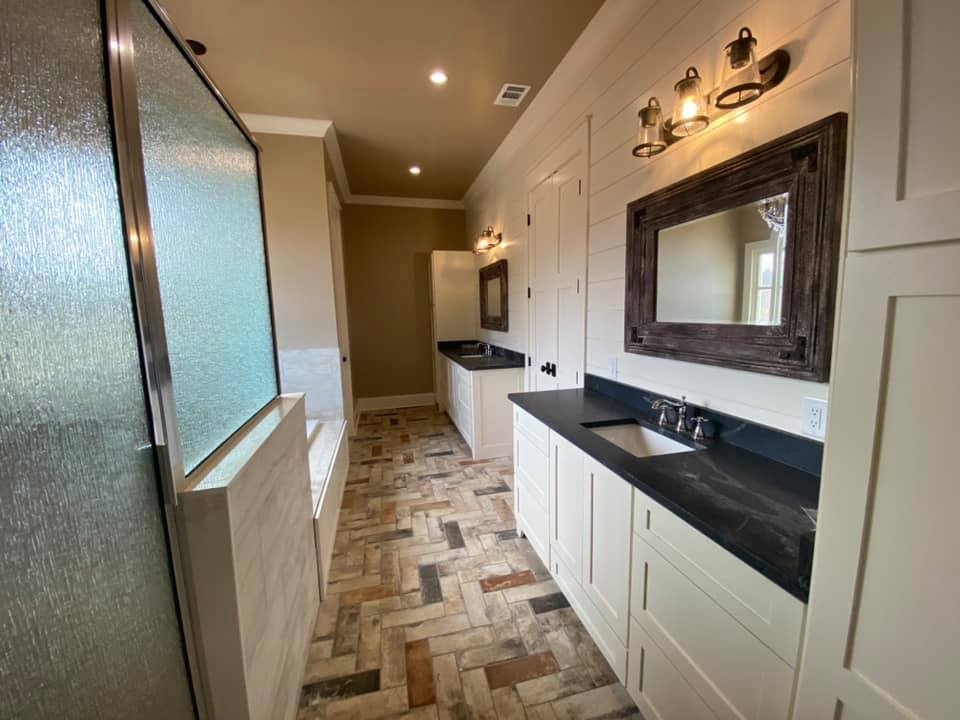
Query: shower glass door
(88, 618)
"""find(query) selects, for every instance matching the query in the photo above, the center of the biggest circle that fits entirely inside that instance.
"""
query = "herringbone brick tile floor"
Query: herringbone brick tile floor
(436, 609)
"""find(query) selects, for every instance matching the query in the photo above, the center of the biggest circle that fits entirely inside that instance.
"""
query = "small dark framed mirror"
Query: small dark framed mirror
(493, 296)
(737, 265)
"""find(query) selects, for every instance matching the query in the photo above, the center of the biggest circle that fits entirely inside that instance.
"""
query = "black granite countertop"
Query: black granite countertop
(749, 503)
(499, 359)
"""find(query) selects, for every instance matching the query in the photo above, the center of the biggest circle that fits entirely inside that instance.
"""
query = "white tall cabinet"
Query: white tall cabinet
(881, 638)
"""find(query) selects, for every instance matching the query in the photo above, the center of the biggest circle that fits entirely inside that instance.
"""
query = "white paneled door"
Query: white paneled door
(557, 206)
(882, 641)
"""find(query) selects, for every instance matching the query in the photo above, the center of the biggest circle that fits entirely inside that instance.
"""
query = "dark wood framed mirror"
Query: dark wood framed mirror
(493, 296)
(737, 265)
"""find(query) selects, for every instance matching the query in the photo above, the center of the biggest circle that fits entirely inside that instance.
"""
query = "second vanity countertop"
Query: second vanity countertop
(750, 504)
(500, 359)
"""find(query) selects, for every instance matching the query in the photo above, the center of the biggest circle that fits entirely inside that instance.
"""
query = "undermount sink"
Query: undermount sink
(637, 439)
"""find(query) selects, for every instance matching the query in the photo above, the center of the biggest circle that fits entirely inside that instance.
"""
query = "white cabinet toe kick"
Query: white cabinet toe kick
(691, 630)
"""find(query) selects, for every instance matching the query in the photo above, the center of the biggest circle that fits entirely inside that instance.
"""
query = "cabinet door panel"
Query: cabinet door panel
(532, 519)
(532, 468)
(657, 687)
(606, 573)
(566, 503)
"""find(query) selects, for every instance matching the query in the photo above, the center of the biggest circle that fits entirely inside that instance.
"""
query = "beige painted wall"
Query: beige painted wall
(387, 258)
(298, 234)
(648, 45)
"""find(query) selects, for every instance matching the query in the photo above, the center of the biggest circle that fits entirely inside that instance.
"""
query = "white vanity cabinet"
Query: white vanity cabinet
(705, 620)
(691, 630)
(477, 403)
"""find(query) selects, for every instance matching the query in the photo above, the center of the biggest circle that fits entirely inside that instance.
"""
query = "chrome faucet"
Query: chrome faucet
(662, 404)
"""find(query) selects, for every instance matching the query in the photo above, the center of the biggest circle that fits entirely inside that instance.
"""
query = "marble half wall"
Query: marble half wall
(316, 373)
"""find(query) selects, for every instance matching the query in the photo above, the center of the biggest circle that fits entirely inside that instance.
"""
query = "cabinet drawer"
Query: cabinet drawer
(771, 613)
(533, 521)
(538, 433)
(532, 468)
(656, 686)
(734, 673)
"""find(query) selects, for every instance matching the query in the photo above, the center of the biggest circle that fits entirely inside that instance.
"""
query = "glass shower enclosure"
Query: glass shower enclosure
(136, 337)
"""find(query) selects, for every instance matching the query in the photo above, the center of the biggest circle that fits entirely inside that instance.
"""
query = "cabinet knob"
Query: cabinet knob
(544, 368)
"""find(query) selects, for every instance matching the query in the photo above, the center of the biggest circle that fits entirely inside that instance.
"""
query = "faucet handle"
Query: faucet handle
(698, 428)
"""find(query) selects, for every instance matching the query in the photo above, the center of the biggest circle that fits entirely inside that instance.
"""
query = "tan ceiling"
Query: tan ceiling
(364, 64)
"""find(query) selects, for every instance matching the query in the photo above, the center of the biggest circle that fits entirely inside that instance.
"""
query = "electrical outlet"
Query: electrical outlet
(612, 367)
(814, 418)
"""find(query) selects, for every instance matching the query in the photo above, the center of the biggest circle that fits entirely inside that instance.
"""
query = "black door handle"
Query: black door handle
(553, 369)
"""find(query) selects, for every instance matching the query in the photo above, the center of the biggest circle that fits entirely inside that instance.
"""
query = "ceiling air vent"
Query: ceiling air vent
(511, 94)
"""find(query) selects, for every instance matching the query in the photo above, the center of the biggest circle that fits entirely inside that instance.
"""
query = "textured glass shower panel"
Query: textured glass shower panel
(88, 626)
(205, 211)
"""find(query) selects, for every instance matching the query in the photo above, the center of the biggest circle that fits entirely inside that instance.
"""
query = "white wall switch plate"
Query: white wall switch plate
(612, 367)
(814, 418)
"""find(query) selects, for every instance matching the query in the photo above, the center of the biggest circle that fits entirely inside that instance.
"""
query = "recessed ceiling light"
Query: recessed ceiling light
(438, 77)
(414, 169)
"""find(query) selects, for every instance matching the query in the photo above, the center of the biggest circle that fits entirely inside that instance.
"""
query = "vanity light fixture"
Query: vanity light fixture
(650, 139)
(414, 169)
(487, 240)
(690, 109)
(744, 79)
(741, 82)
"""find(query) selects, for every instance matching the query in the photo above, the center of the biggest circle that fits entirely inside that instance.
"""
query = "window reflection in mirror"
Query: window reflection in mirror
(724, 268)
(493, 297)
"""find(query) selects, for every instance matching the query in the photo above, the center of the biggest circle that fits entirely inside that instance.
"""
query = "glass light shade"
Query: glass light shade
(690, 109)
(487, 240)
(741, 82)
(650, 139)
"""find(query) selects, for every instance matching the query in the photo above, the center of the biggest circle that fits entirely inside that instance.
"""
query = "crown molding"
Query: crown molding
(390, 200)
(310, 127)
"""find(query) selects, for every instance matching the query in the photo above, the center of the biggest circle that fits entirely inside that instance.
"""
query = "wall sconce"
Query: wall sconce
(740, 82)
(744, 77)
(650, 140)
(743, 80)
(487, 240)
(690, 109)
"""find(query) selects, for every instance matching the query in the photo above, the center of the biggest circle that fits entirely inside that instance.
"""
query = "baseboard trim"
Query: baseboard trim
(392, 402)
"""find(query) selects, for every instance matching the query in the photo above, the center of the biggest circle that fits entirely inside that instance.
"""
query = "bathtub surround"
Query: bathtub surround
(316, 373)
(633, 50)
(248, 540)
